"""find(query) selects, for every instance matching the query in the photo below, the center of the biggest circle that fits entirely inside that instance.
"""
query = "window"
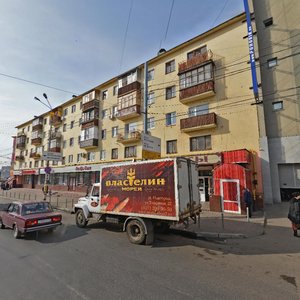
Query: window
(151, 123)
(130, 151)
(114, 153)
(71, 142)
(30, 164)
(127, 79)
(196, 52)
(171, 119)
(170, 92)
(63, 160)
(172, 146)
(131, 127)
(115, 111)
(89, 133)
(91, 156)
(64, 144)
(151, 74)
(102, 154)
(78, 139)
(196, 76)
(103, 134)
(198, 110)
(105, 113)
(65, 111)
(80, 105)
(73, 109)
(114, 131)
(80, 121)
(45, 121)
(64, 127)
(272, 62)
(36, 164)
(104, 95)
(70, 160)
(79, 156)
(90, 115)
(151, 98)
(278, 105)
(28, 128)
(115, 90)
(72, 124)
(170, 66)
(199, 143)
(268, 22)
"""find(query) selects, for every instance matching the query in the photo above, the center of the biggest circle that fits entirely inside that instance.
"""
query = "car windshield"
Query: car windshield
(36, 208)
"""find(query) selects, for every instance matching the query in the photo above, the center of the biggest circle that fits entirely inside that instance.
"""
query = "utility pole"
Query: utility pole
(145, 97)
(47, 169)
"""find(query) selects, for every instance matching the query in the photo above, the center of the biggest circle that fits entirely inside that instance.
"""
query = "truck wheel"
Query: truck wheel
(81, 220)
(16, 232)
(136, 232)
(1, 224)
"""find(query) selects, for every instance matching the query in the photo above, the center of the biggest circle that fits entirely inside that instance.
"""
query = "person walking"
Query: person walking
(294, 212)
(248, 200)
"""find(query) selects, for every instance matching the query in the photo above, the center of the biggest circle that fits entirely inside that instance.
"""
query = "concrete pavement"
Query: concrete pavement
(212, 225)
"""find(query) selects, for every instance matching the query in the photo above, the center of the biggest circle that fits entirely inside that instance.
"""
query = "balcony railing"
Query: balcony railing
(134, 86)
(198, 122)
(194, 62)
(21, 144)
(129, 137)
(35, 155)
(36, 141)
(55, 149)
(91, 143)
(56, 135)
(129, 112)
(37, 127)
(90, 105)
(199, 91)
(20, 158)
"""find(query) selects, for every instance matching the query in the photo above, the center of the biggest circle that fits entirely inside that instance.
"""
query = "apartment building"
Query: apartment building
(278, 28)
(198, 103)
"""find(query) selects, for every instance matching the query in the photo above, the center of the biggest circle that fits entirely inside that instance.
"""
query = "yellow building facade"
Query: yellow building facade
(198, 105)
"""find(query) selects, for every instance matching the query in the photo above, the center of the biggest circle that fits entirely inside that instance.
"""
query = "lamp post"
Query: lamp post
(47, 169)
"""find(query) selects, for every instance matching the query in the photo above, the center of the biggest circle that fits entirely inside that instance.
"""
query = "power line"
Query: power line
(220, 13)
(167, 28)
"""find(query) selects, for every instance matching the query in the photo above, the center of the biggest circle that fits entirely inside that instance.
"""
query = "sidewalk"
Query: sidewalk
(211, 223)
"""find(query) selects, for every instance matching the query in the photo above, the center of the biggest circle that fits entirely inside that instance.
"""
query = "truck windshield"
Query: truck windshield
(95, 191)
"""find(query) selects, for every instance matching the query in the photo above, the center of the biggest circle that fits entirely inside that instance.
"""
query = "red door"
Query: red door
(230, 194)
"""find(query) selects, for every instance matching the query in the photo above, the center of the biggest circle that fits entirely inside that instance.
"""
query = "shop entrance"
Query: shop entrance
(204, 188)
(230, 194)
(72, 183)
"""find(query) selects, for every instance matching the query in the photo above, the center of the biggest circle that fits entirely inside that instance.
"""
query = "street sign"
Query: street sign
(55, 156)
(48, 170)
(151, 147)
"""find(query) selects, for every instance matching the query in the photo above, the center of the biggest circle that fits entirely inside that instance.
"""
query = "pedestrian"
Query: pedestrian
(248, 200)
(294, 212)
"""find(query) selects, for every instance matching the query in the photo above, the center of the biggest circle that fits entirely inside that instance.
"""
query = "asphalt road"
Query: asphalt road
(100, 263)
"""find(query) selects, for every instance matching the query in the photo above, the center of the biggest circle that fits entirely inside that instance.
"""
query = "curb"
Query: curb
(208, 235)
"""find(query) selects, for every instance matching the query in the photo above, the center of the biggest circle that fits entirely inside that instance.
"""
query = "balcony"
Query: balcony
(56, 117)
(21, 141)
(55, 149)
(134, 86)
(56, 135)
(90, 105)
(35, 155)
(129, 112)
(37, 124)
(20, 158)
(87, 144)
(130, 137)
(36, 141)
(197, 92)
(194, 62)
(198, 122)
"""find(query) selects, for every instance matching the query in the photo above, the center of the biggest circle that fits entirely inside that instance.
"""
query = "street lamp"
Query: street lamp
(47, 169)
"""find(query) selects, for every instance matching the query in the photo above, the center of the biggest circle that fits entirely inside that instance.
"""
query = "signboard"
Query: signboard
(207, 159)
(151, 147)
(30, 172)
(55, 156)
(144, 189)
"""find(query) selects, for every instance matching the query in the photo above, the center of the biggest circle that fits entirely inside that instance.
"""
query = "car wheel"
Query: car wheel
(2, 226)
(16, 232)
(136, 232)
(81, 220)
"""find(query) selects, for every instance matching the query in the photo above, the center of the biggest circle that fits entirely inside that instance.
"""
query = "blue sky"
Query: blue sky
(74, 45)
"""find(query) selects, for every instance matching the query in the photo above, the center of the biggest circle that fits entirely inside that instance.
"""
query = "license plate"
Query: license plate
(44, 221)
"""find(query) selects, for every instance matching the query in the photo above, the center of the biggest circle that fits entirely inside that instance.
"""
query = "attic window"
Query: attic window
(268, 22)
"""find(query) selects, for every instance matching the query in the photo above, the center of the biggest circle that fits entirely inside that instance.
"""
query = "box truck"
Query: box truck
(142, 196)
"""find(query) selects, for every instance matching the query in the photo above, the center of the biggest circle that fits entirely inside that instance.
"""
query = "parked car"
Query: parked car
(29, 217)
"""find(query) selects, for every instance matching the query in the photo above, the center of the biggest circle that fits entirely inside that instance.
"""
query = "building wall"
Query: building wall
(279, 83)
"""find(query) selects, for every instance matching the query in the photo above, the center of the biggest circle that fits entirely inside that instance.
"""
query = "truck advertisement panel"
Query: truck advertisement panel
(144, 189)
